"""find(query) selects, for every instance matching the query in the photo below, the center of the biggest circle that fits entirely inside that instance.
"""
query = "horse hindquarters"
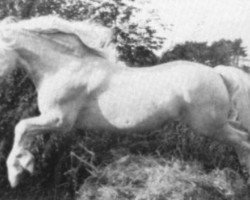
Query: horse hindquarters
(206, 106)
(209, 116)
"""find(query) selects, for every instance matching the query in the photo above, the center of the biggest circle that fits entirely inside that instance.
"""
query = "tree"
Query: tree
(130, 36)
(222, 52)
(138, 56)
(226, 52)
(238, 51)
(192, 51)
(18, 8)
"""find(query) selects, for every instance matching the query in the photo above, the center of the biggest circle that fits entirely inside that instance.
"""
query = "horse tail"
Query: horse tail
(232, 91)
(229, 86)
(228, 81)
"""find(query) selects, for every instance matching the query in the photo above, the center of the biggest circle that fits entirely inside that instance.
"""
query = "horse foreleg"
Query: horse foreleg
(20, 158)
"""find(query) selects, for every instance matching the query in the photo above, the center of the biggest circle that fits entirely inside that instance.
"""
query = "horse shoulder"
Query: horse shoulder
(56, 91)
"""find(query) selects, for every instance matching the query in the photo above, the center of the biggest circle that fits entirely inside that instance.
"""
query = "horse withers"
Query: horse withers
(80, 85)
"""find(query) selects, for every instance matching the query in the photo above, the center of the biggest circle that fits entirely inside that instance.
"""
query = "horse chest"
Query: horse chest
(59, 93)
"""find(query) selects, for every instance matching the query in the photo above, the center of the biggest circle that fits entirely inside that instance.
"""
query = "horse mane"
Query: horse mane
(92, 35)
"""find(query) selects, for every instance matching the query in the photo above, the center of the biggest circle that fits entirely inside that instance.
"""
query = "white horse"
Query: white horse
(79, 85)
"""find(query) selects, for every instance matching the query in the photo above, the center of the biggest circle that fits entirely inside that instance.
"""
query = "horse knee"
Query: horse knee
(55, 120)
(63, 123)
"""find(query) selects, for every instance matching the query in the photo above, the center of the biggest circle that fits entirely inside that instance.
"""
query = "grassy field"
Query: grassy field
(172, 163)
(148, 178)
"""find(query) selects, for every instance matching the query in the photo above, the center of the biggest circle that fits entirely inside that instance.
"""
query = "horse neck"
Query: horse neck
(33, 65)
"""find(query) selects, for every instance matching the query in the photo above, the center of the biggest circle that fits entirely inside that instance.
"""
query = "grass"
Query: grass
(149, 178)
(170, 163)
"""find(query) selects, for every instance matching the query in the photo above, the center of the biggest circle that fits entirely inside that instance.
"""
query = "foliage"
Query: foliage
(20, 8)
(192, 51)
(135, 177)
(226, 52)
(222, 52)
(135, 39)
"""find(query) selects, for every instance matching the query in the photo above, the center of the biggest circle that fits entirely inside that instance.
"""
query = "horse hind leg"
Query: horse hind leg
(215, 123)
(239, 139)
(206, 119)
(227, 132)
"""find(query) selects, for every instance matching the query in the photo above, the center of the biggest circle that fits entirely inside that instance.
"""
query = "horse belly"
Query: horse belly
(129, 111)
